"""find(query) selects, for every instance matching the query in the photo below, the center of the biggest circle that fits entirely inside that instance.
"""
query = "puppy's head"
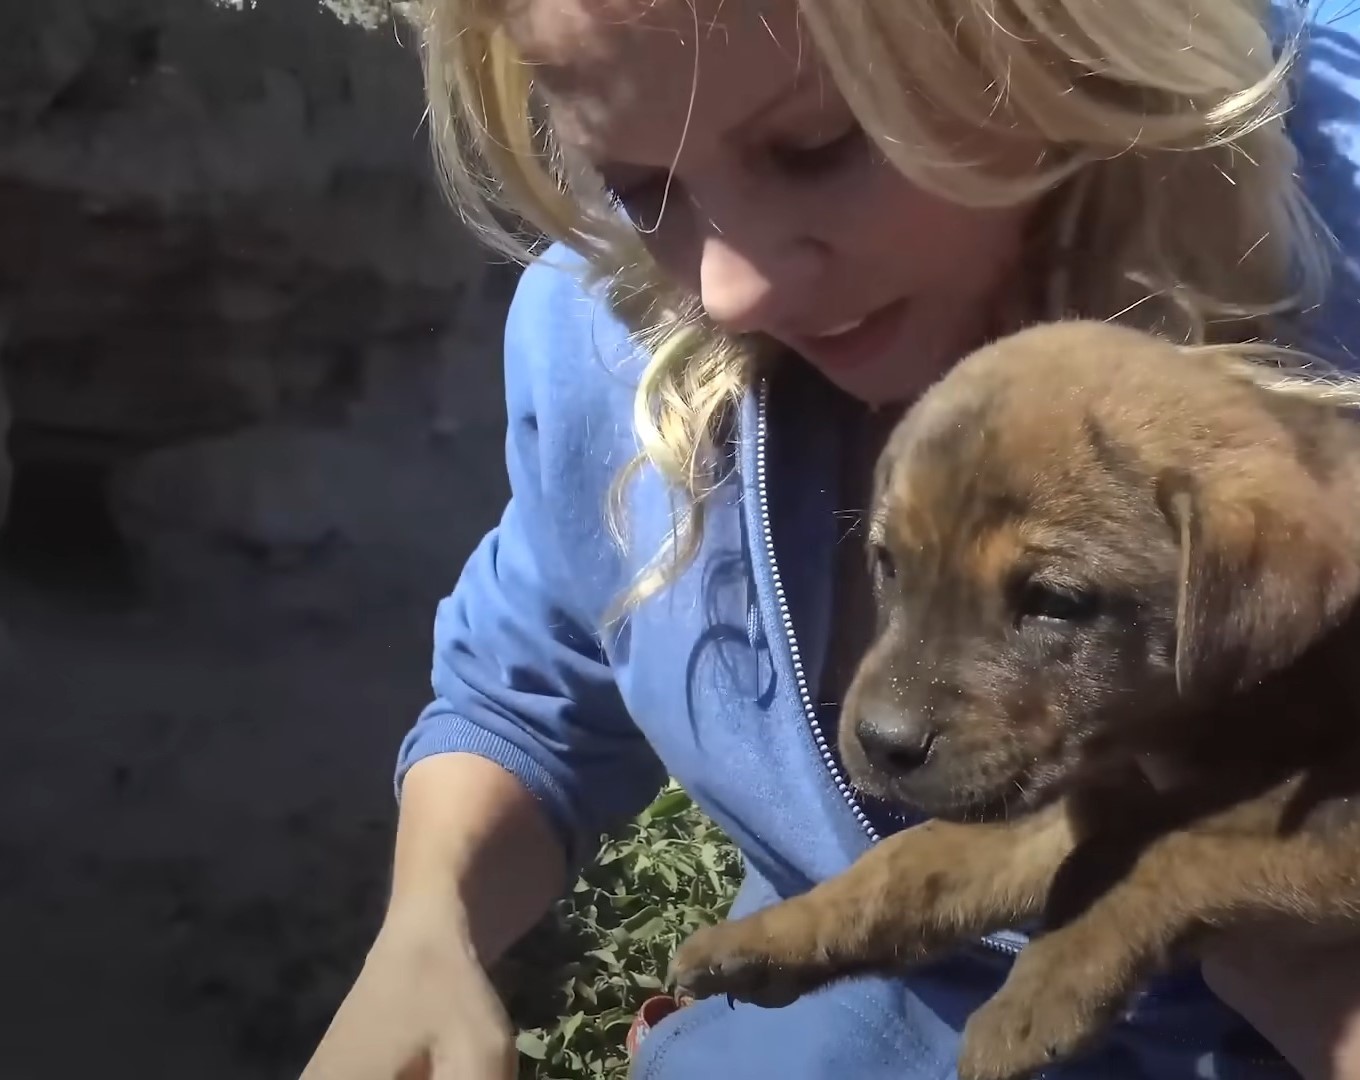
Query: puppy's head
(1082, 531)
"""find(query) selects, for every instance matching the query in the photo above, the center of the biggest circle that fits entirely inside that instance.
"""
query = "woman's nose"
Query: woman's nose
(751, 289)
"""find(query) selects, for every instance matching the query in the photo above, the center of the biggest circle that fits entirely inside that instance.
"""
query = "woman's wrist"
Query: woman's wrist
(444, 908)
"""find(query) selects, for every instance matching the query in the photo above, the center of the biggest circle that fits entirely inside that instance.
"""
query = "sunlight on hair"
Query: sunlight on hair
(1170, 196)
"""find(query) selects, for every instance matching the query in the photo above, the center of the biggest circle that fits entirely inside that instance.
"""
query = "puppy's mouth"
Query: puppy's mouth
(940, 797)
(980, 810)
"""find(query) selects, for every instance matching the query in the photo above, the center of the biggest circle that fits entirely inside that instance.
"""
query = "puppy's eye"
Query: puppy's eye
(1040, 600)
(884, 568)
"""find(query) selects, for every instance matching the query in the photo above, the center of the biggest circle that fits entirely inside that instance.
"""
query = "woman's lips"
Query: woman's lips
(855, 343)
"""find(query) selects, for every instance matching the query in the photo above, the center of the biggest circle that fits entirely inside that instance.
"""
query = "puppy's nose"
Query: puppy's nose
(896, 741)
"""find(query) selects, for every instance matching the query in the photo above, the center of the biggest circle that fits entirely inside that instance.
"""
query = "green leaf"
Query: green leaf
(568, 1028)
(669, 804)
(651, 929)
(531, 1045)
(646, 915)
(604, 946)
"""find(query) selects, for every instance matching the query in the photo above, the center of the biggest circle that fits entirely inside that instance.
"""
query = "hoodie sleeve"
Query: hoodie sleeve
(519, 675)
(1325, 125)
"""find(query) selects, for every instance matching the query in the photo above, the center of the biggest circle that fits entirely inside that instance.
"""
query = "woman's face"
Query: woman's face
(734, 154)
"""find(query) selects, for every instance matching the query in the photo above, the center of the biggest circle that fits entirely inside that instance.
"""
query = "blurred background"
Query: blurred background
(250, 381)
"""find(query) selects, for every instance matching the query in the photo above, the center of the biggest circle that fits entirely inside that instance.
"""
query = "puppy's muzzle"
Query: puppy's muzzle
(895, 741)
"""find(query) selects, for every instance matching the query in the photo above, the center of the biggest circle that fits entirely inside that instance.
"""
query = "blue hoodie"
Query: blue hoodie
(715, 682)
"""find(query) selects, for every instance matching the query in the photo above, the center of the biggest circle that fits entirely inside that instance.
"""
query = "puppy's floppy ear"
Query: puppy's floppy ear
(1265, 572)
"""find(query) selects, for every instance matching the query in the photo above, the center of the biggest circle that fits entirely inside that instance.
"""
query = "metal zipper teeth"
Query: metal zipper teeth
(786, 619)
(1010, 948)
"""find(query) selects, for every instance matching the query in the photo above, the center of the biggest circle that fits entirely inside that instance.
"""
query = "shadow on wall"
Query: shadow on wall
(254, 372)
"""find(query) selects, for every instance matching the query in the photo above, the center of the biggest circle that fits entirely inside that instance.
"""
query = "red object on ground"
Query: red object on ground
(651, 1013)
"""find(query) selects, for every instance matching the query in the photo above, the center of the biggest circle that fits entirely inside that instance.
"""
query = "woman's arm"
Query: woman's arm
(527, 752)
(473, 843)
(520, 672)
(476, 864)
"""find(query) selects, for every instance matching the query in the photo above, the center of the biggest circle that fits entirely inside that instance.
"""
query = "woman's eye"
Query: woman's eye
(1039, 600)
(823, 157)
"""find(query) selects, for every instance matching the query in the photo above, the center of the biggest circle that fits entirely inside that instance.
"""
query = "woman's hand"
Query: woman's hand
(1302, 995)
(476, 865)
(421, 1009)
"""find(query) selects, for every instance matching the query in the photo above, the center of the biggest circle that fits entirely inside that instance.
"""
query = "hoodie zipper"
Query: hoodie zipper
(1005, 944)
(786, 620)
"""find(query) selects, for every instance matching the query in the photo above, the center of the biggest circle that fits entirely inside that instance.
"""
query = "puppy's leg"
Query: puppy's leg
(1069, 984)
(909, 897)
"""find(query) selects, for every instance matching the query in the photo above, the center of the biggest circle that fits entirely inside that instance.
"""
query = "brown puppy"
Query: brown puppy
(1092, 551)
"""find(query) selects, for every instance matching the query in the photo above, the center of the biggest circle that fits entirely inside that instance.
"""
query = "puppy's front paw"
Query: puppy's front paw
(740, 959)
(1025, 1028)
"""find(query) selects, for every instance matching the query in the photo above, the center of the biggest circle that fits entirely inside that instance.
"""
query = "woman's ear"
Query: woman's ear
(1265, 572)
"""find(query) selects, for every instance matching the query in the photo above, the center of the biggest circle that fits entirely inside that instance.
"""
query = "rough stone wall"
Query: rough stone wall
(252, 363)
(211, 217)
(6, 467)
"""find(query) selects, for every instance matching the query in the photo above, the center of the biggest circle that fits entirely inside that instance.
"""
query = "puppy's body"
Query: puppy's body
(1096, 558)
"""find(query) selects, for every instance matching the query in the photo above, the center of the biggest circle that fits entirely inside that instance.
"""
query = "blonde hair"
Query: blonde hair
(1169, 162)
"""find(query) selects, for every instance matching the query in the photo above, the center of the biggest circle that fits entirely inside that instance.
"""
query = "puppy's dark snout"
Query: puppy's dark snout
(894, 740)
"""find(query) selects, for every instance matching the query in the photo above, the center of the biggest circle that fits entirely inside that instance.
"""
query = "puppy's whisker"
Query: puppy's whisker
(855, 519)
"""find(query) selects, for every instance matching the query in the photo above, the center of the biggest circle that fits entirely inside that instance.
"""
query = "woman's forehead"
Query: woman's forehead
(572, 33)
(630, 70)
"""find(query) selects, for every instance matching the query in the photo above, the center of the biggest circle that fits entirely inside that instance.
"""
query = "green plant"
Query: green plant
(573, 985)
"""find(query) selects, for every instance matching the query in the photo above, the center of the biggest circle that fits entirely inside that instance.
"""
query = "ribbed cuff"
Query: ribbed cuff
(454, 734)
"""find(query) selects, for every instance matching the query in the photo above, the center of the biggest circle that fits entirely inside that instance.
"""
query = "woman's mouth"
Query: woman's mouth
(844, 328)
(856, 342)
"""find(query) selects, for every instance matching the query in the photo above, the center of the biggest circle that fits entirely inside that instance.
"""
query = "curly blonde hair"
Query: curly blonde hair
(1169, 160)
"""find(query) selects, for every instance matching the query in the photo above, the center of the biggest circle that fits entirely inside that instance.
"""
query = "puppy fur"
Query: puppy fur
(1097, 557)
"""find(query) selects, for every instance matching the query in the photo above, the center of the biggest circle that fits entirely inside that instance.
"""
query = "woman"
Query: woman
(805, 211)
